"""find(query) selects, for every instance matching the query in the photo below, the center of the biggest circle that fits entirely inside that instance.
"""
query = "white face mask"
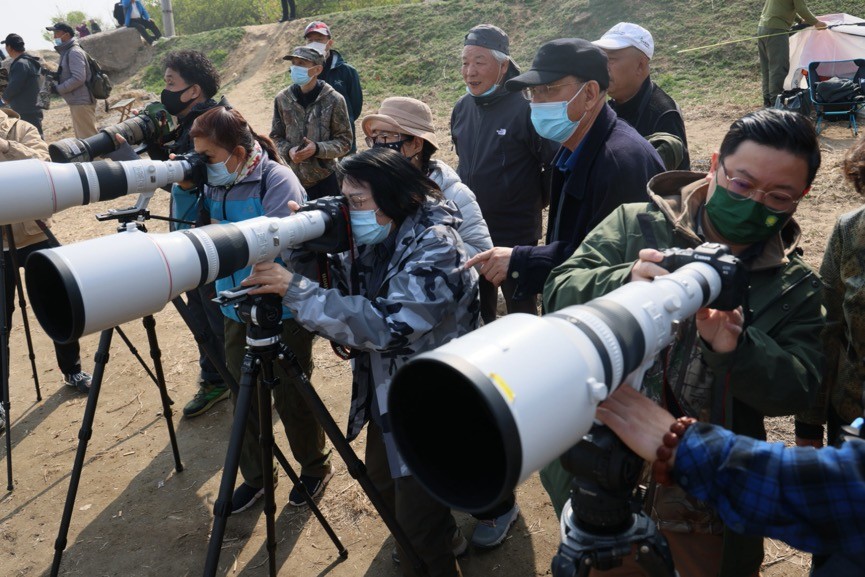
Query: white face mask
(320, 46)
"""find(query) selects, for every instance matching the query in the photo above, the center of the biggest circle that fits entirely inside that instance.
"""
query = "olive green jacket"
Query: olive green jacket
(774, 371)
(782, 14)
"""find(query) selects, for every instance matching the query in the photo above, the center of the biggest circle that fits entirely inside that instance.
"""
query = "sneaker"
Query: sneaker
(491, 532)
(314, 486)
(79, 380)
(245, 497)
(207, 396)
(459, 546)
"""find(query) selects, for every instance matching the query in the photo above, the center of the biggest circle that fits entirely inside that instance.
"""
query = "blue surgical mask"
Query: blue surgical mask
(487, 93)
(299, 75)
(551, 121)
(218, 175)
(365, 229)
(57, 42)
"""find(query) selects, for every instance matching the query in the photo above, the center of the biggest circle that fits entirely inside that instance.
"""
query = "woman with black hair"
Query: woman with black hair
(401, 290)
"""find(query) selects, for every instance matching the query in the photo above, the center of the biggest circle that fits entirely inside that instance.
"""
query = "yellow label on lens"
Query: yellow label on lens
(503, 387)
(771, 220)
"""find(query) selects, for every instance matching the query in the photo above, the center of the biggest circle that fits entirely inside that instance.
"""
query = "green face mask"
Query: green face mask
(742, 221)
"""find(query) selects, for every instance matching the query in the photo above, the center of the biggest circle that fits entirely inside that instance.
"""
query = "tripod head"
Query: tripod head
(262, 313)
(603, 520)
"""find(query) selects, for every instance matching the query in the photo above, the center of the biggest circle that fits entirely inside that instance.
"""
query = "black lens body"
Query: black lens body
(734, 276)
(134, 130)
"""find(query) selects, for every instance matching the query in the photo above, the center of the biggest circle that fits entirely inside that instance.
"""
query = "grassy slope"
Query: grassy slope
(413, 50)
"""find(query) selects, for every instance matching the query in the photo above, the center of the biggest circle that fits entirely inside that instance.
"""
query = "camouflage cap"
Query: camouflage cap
(309, 53)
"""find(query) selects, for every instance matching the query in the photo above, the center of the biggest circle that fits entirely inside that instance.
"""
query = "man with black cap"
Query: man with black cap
(341, 75)
(22, 90)
(310, 125)
(602, 163)
(72, 77)
(501, 157)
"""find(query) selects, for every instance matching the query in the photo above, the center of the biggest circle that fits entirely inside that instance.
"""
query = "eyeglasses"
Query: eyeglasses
(357, 200)
(392, 140)
(742, 189)
(543, 91)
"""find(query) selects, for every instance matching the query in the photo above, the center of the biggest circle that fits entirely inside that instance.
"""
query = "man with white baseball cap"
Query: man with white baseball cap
(638, 100)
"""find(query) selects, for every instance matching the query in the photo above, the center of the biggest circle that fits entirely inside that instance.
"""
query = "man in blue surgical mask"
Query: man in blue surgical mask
(602, 162)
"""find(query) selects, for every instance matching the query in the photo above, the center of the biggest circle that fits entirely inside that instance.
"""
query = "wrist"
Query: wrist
(662, 467)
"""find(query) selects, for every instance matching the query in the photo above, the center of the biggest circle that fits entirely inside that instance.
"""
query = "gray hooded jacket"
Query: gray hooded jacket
(74, 74)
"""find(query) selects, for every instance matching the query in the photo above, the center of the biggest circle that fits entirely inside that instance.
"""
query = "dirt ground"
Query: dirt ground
(135, 515)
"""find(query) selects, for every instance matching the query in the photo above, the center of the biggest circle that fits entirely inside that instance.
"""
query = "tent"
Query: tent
(844, 40)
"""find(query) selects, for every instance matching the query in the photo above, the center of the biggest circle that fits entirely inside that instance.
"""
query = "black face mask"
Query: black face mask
(171, 100)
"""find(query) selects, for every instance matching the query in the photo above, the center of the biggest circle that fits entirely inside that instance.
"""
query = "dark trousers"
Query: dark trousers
(428, 524)
(68, 355)
(305, 435)
(34, 118)
(147, 28)
(207, 315)
(490, 298)
(328, 186)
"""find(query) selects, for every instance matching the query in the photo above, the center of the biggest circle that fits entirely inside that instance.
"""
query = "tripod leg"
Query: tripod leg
(83, 437)
(265, 439)
(4, 361)
(156, 354)
(13, 262)
(137, 355)
(222, 507)
(356, 467)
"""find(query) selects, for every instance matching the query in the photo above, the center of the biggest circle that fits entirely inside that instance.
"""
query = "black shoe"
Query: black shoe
(245, 497)
(313, 485)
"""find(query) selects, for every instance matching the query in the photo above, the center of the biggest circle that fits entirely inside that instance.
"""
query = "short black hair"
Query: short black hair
(398, 188)
(195, 68)
(779, 129)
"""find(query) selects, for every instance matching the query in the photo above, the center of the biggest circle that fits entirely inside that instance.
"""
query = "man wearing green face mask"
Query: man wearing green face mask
(729, 368)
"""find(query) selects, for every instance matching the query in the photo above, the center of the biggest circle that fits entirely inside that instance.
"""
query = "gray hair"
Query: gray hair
(499, 56)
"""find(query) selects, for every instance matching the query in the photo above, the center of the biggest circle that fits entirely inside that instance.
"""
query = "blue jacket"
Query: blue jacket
(251, 198)
(612, 167)
(127, 9)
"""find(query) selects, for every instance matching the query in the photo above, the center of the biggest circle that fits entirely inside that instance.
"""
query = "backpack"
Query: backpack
(99, 83)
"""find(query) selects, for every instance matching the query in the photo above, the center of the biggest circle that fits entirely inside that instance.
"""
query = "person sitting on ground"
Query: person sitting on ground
(406, 125)
(245, 179)
(19, 140)
(403, 290)
(82, 30)
(311, 126)
(638, 100)
(812, 500)
(94, 27)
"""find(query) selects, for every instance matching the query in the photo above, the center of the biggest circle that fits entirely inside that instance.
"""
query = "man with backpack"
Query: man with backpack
(22, 90)
(71, 80)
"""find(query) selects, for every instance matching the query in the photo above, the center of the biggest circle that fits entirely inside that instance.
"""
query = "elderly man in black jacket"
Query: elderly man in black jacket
(602, 163)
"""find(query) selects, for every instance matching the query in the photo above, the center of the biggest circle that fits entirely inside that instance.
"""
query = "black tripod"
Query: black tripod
(263, 317)
(604, 519)
(101, 360)
(5, 328)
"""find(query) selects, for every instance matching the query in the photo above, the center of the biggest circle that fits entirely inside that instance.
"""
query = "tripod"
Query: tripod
(101, 360)
(5, 328)
(263, 317)
(603, 519)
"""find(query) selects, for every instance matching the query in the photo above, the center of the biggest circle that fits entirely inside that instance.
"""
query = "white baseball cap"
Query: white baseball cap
(625, 34)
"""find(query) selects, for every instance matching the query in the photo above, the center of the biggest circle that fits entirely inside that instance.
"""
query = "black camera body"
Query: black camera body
(337, 238)
(152, 125)
(734, 277)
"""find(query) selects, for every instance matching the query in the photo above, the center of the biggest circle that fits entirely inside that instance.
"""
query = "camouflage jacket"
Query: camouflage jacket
(774, 371)
(325, 122)
(843, 273)
(410, 294)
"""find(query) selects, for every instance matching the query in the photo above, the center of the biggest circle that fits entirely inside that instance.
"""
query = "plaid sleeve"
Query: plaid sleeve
(812, 499)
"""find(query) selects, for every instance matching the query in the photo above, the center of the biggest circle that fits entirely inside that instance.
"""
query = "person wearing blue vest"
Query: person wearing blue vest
(245, 179)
